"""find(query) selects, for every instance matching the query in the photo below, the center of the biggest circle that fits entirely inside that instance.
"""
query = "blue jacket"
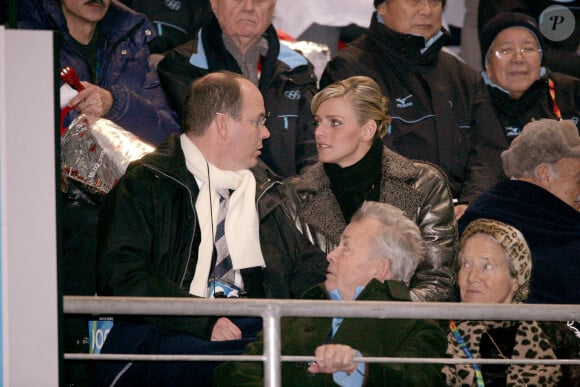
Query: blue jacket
(139, 103)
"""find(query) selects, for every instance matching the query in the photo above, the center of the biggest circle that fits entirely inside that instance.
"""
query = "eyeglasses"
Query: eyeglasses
(509, 52)
(258, 124)
(416, 3)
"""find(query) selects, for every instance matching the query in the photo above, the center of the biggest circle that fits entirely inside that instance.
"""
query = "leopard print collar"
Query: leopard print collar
(530, 342)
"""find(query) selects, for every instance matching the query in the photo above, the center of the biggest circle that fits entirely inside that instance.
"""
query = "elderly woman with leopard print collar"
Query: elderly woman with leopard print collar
(495, 265)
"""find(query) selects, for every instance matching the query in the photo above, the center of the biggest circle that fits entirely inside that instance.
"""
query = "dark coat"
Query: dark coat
(149, 238)
(551, 228)
(439, 106)
(287, 83)
(536, 103)
(139, 104)
(175, 21)
(372, 337)
(418, 189)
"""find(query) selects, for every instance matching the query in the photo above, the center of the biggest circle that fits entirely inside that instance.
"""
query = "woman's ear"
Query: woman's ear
(368, 130)
(515, 286)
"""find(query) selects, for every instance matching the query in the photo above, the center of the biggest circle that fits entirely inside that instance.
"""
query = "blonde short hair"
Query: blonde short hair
(365, 97)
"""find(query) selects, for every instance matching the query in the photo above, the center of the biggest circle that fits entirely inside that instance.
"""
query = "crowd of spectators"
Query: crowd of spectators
(401, 174)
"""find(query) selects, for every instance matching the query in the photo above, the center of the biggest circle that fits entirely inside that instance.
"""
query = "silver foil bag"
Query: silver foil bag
(96, 152)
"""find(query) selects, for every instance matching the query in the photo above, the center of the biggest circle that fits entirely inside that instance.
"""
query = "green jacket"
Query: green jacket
(372, 337)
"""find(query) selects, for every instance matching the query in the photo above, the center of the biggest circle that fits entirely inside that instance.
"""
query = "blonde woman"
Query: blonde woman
(354, 166)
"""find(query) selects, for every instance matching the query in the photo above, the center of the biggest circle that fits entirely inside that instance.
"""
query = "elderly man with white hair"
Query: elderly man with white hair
(378, 253)
(542, 200)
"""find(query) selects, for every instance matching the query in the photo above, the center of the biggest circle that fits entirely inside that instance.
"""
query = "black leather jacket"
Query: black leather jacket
(148, 238)
(417, 188)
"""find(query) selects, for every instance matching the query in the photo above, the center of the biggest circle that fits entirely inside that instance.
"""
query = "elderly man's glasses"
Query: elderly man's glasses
(509, 52)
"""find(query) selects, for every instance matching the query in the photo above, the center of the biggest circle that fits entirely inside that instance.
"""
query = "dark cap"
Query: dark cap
(500, 22)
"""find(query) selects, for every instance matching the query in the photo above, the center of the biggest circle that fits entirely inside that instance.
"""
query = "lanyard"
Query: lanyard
(555, 106)
(467, 352)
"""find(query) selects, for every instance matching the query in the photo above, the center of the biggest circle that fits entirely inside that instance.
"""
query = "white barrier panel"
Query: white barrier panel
(28, 209)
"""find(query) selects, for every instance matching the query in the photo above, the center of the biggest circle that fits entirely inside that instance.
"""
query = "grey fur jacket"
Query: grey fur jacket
(417, 188)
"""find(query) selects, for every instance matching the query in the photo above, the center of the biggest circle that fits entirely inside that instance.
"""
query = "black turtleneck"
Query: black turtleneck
(359, 182)
(90, 52)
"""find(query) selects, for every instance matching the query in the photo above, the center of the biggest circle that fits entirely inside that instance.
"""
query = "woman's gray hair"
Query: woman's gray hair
(399, 239)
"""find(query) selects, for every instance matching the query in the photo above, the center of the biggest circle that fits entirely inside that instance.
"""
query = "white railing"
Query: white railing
(272, 310)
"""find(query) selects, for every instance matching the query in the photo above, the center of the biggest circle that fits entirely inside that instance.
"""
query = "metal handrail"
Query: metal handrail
(317, 308)
(305, 359)
(272, 310)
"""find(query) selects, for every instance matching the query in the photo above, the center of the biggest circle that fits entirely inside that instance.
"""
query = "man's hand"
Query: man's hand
(333, 357)
(92, 100)
(224, 330)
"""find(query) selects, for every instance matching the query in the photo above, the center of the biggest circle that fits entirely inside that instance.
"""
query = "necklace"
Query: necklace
(499, 352)
(502, 356)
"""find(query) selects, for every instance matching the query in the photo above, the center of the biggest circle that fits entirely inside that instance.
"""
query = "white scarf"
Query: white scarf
(242, 224)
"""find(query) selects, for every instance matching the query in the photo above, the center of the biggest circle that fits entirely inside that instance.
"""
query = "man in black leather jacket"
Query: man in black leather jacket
(157, 227)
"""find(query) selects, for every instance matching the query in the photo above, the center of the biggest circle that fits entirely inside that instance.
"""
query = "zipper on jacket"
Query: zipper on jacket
(194, 217)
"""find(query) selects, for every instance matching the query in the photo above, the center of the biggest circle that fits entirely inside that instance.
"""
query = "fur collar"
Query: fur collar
(319, 208)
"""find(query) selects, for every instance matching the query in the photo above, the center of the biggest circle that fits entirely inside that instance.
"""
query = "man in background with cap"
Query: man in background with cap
(560, 22)
(520, 87)
(542, 200)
